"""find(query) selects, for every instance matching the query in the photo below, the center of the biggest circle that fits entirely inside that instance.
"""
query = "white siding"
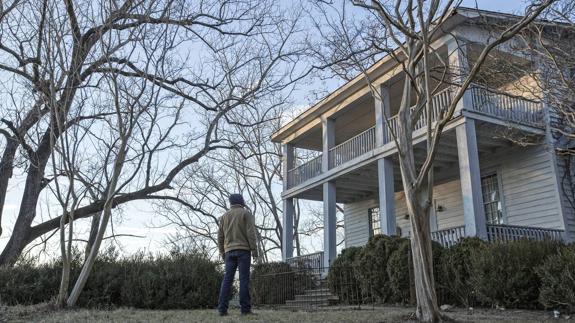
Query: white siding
(529, 196)
(528, 185)
(356, 222)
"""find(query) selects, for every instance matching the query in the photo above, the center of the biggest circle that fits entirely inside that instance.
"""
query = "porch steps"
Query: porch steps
(319, 297)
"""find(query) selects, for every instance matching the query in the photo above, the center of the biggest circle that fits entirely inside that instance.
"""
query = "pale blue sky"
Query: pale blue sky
(138, 218)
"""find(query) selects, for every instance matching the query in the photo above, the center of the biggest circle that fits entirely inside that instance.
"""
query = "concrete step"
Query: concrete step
(317, 291)
(303, 303)
(319, 297)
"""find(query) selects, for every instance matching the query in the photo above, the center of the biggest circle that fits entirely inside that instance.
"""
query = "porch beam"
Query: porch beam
(469, 170)
(386, 196)
(329, 223)
(287, 229)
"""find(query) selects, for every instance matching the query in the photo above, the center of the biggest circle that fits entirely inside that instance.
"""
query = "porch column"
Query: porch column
(382, 110)
(386, 196)
(384, 165)
(329, 224)
(459, 69)
(287, 229)
(473, 213)
(288, 204)
(328, 141)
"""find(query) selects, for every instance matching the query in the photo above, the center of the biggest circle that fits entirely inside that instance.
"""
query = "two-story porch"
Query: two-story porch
(485, 184)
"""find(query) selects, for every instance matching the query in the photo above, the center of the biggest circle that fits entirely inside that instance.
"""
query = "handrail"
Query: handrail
(505, 232)
(305, 171)
(449, 237)
(352, 148)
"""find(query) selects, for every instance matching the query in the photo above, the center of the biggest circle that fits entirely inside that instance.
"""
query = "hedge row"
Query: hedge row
(175, 281)
(520, 274)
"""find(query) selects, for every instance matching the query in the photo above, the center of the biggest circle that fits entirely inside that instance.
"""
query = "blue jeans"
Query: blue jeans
(236, 259)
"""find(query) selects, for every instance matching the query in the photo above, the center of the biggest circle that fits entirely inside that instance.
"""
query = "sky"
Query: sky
(140, 224)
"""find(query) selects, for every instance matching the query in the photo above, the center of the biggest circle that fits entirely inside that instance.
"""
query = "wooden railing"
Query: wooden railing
(352, 148)
(520, 110)
(483, 101)
(305, 171)
(312, 261)
(503, 232)
(449, 237)
(439, 102)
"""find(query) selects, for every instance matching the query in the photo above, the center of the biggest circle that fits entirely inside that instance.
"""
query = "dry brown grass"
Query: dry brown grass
(44, 313)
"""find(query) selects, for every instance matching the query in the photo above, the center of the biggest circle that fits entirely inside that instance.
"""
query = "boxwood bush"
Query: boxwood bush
(453, 272)
(343, 279)
(175, 281)
(518, 274)
(557, 275)
(503, 274)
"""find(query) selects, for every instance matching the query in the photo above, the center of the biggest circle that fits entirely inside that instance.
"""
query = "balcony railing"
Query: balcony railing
(302, 173)
(506, 107)
(312, 261)
(449, 237)
(352, 148)
(483, 101)
(502, 232)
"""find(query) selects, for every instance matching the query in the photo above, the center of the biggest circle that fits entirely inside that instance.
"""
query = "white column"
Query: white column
(459, 67)
(384, 165)
(382, 110)
(329, 223)
(386, 196)
(288, 204)
(328, 141)
(470, 176)
(287, 163)
(287, 229)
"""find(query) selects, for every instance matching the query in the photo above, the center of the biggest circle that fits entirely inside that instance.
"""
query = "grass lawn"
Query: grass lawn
(43, 313)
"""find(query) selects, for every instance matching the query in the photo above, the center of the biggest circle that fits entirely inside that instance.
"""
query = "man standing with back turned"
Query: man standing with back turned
(237, 243)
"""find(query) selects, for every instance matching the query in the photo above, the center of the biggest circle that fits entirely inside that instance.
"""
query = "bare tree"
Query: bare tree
(203, 60)
(406, 30)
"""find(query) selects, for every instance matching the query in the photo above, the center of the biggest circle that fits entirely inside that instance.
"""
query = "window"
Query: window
(374, 224)
(492, 199)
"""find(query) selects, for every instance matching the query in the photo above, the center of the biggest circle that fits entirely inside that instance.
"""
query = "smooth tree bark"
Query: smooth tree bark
(408, 30)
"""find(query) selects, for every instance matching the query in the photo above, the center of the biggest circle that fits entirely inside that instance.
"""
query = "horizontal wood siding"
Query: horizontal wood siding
(356, 218)
(527, 181)
(356, 223)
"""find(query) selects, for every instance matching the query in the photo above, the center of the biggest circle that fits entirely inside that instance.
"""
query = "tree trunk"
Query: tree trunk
(6, 168)
(19, 237)
(93, 233)
(427, 308)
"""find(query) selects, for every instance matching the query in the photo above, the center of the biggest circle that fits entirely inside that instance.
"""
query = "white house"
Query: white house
(486, 185)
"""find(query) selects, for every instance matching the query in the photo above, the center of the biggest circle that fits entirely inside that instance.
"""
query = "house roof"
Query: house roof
(381, 67)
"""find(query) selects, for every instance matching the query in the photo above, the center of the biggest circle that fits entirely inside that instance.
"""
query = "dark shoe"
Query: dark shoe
(248, 313)
(223, 313)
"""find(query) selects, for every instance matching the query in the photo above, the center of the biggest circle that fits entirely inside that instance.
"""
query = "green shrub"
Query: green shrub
(398, 272)
(453, 272)
(372, 266)
(504, 273)
(173, 281)
(276, 282)
(557, 275)
(343, 278)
